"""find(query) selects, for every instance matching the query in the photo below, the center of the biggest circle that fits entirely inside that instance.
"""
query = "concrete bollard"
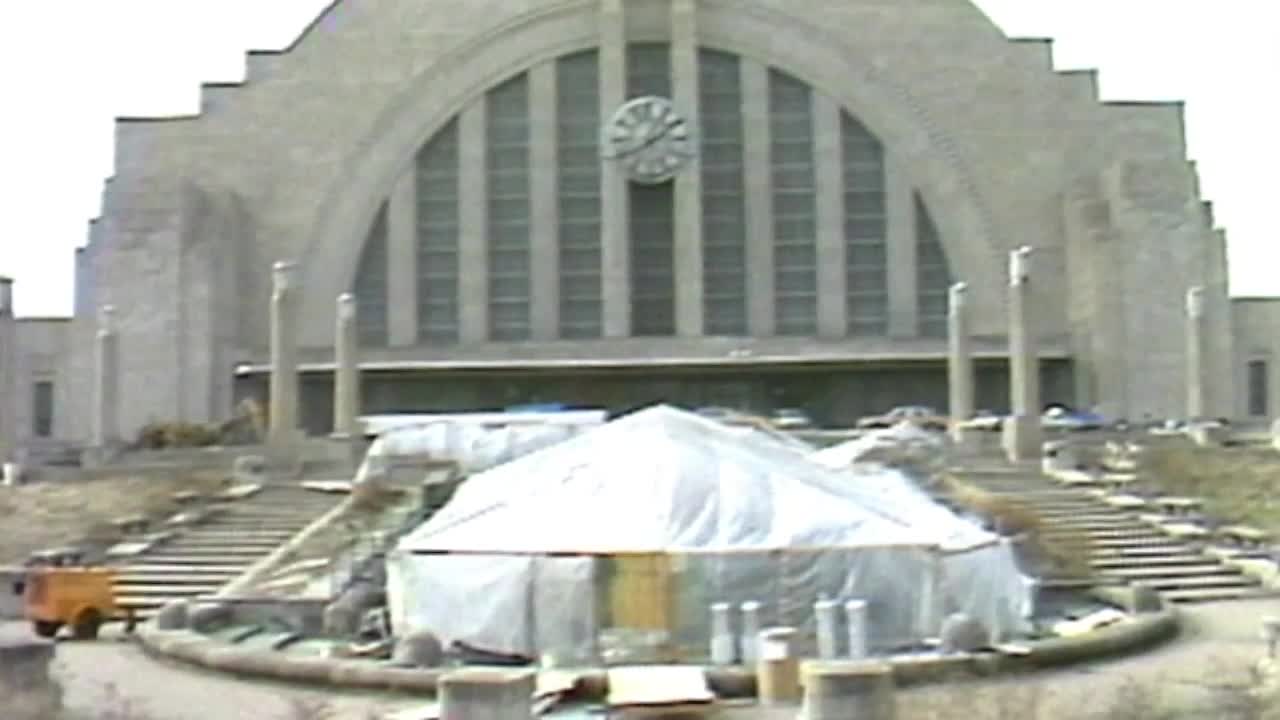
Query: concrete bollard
(1271, 633)
(724, 643)
(964, 634)
(749, 644)
(855, 614)
(174, 616)
(487, 694)
(777, 670)
(827, 620)
(848, 691)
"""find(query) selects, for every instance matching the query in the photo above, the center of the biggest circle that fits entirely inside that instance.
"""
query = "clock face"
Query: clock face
(650, 139)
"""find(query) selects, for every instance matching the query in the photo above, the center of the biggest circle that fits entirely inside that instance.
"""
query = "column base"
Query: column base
(1021, 437)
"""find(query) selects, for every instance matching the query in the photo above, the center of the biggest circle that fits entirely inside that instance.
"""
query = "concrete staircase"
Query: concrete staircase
(212, 542)
(1123, 547)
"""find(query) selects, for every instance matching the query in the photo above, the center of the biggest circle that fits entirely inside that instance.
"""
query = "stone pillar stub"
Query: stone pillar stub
(1196, 380)
(1022, 429)
(487, 694)
(283, 407)
(960, 376)
(8, 361)
(615, 199)
(346, 381)
(688, 184)
(106, 399)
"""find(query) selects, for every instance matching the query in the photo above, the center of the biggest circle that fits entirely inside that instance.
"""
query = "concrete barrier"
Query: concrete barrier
(1137, 633)
(10, 601)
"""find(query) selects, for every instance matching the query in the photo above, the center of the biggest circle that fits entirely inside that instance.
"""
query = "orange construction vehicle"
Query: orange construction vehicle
(61, 591)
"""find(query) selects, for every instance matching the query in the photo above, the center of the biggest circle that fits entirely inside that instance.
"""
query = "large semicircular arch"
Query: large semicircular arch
(742, 27)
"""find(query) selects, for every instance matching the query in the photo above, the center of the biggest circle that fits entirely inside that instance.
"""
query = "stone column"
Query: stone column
(833, 292)
(688, 184)
(106, 378)
(903, 284)
(402, 260)
(1196, 380)
(615, 197)
(1022, 431)
(283, 408)
(758, 185)
(960, 378)
(544, 206)
(346, 374)
(473, 205)
(8, 361)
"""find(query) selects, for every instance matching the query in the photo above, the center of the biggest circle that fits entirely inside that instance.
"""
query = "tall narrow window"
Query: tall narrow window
(507, 128)
(653, 292)
(437, 185)
(1259, 391)
(724, 264)
(933, 275)
(795, 222)
(578, 147)
(865, 231)
(371, 284)
(42, 409)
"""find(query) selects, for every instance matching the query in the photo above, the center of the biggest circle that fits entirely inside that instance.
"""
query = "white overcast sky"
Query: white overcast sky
(68, 67)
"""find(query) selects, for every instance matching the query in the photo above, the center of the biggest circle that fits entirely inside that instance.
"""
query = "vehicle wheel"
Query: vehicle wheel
(87, 625)
(45, 628)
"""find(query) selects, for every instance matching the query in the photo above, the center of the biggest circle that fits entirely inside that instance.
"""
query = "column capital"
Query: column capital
(283, 274)
(107, 319)
(957, 297)
(1020, 265)
(347, 306)
(1195, 302)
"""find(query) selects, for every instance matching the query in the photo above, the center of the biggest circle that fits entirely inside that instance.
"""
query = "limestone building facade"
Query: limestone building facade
(490, 179)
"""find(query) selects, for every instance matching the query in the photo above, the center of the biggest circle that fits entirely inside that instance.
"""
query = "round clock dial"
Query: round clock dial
(650, 139)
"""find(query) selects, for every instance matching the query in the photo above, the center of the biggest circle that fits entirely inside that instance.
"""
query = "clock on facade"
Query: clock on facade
(650, 139)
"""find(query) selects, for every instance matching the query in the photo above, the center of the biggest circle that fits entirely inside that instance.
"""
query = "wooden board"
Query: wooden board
(659, 687)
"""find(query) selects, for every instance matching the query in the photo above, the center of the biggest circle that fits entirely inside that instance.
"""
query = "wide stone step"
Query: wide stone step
(1144, 552)
(149, 579)
(1067, 517)
(144, 591)
(1217, 580)
(216, 556)
(1141, 541)
(180, 568)
(1149, 561)
(1098, 526)
(193, 561)
(232, 533)
(1211, 594)
(1146, 572)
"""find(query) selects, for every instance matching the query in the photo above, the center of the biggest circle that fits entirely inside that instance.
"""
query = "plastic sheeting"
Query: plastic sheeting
(473, 447)
(741, 519)
(903, 436)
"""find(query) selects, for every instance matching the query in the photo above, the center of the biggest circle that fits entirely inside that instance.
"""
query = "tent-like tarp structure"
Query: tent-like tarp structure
(475, 448)
(541, 554)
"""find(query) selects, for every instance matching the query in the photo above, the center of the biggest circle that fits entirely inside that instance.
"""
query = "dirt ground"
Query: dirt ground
(44, 515)
(1239, 485)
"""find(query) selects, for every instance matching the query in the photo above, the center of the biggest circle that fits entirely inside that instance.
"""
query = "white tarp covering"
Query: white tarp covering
(903, 436)
(379, 424)
(473, 447)
(748, 520)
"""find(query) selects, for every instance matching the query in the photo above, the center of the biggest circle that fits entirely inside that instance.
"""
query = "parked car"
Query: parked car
(790, 419)
(985, 420)
(926, 417)
(1061, 417)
